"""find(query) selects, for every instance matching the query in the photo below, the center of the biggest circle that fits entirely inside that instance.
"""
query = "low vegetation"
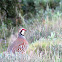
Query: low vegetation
(43, 21)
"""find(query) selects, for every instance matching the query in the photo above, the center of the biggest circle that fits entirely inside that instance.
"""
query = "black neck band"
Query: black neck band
(22, 34)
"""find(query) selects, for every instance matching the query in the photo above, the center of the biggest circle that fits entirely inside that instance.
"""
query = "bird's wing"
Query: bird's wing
(15, 44)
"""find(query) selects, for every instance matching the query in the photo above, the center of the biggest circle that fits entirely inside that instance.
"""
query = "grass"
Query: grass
(44, 35)
(42, 50)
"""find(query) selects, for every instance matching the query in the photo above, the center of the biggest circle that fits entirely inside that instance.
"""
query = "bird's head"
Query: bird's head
(22, 31)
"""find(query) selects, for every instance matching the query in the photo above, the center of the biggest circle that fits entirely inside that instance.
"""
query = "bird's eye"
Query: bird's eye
(20, 31)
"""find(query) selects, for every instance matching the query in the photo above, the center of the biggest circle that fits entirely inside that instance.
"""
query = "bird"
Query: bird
(20, 44)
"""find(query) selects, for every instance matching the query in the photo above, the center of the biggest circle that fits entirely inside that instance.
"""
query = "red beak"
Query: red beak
(24, 29)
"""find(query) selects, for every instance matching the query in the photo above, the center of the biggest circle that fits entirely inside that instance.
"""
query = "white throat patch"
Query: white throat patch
(22, 32)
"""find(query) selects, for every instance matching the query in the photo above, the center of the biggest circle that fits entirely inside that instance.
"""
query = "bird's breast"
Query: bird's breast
(22, 47)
